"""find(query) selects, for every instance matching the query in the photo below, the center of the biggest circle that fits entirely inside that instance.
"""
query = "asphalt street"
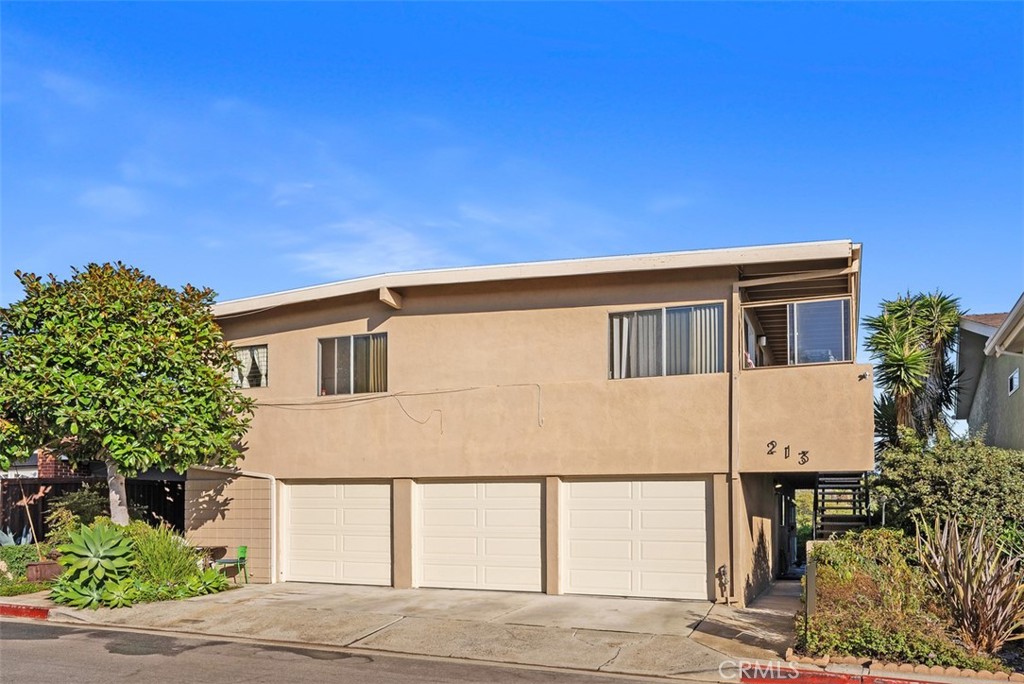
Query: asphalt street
(38, 651)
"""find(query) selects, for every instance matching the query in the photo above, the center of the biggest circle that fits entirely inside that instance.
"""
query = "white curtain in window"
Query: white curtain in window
(707, 328)
(694, 337)
(259, 357)
(636, 344)
(244, 356)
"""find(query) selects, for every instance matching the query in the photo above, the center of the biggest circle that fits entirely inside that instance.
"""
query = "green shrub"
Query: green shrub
(60, 523)
(16, 558)
(163, 556)
(951, 477)
(85, 504)
(873, 602)
(980, 587)
(21, 587)
(115, 566)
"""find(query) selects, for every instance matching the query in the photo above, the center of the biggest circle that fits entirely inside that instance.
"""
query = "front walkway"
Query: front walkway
(686, 639)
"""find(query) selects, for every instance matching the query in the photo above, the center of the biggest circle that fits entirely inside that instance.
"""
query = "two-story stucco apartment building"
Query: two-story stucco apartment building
(625, 426)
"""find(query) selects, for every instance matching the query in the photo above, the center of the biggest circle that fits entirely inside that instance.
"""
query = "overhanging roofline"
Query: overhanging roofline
(977, 328)
(704, 258)
(1011, 328)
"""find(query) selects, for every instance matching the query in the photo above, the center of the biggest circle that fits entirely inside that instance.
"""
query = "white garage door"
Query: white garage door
(338, 533)
(479, 535)
(635, 538)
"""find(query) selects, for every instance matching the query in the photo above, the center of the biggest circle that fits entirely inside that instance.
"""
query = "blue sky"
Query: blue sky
(258, 147)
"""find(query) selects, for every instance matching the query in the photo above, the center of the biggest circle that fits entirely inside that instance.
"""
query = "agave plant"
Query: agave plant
(981, 586)
(119, 594)
(77, 594)
(96, 554)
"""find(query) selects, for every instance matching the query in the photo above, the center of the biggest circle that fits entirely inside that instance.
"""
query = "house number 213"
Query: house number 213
(804, 456)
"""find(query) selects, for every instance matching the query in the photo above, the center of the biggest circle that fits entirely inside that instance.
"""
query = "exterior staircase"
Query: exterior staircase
(840, 504)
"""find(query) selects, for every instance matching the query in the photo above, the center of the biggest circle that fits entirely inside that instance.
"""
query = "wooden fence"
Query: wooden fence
(162, 500)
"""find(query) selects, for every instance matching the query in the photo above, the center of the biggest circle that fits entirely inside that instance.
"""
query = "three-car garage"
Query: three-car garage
(645, 538)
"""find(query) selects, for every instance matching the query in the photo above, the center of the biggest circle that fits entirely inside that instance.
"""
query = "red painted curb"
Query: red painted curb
(789, 673)
(34, 612)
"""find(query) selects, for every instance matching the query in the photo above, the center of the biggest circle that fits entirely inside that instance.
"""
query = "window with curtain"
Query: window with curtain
(252, 370)
(683, 340)
(354, 365)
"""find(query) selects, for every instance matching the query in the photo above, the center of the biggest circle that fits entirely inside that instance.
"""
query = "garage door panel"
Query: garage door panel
(312, 492)
(676, 490)
(512, 519)
(514, 550)
(614, 582)
(378, 517)
(602, 549)
(522, 578)
(449, 490)
(449, 517)
(450, 546)
(449, 575)
(315, 516)
(338, 533)
(652, 543)
(314, 542)
(601, 491)
(365, 491)
(352, 543)
(670, 520)
(600, 519)
(479, 535)
(315, 569)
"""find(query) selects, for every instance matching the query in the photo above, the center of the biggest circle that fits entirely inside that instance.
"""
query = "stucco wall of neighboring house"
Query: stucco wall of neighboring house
(231, 511)
(1000, 414)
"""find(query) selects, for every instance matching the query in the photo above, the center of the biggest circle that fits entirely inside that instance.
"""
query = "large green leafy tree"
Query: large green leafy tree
(911, 342)
(110, 365)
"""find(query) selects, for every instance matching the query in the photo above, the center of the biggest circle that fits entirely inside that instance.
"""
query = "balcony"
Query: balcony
(806, 418)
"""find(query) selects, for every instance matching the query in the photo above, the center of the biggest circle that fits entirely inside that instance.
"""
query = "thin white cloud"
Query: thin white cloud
(284, 194)
(114, 201)
(73, 90)
(368, 246)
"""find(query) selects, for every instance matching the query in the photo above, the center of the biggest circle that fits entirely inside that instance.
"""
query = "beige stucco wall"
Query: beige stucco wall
(999, 413)
(511, 380)
(231, 511)
(758, 563)
(824, 410)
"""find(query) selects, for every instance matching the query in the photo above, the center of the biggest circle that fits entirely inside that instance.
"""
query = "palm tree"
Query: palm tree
(910, 342)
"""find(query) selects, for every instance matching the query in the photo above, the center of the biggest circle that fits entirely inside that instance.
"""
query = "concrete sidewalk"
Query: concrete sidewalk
(682, 639)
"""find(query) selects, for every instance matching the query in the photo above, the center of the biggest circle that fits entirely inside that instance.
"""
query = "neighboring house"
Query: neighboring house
(990, 357)
(627, 426)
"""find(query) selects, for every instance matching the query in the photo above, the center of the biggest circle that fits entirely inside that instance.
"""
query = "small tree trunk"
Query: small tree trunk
(118, 494)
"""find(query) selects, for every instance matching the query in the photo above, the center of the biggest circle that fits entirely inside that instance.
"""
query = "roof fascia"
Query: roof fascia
(732, 256)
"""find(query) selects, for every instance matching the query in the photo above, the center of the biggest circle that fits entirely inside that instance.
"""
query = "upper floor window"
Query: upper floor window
(797, 333)
(354, 364)
(1013, 382)
(252, 366)
(680, 340)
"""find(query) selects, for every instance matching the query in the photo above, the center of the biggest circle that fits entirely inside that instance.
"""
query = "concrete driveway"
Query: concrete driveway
(687, 639)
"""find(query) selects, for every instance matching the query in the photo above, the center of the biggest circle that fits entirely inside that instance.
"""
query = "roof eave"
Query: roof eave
(1008, 333)
(731, 256)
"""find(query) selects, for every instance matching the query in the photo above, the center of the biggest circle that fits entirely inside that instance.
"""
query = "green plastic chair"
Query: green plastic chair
(239, 563)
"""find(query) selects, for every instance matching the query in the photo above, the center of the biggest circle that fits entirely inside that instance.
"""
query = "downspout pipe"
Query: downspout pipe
(273, 507)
